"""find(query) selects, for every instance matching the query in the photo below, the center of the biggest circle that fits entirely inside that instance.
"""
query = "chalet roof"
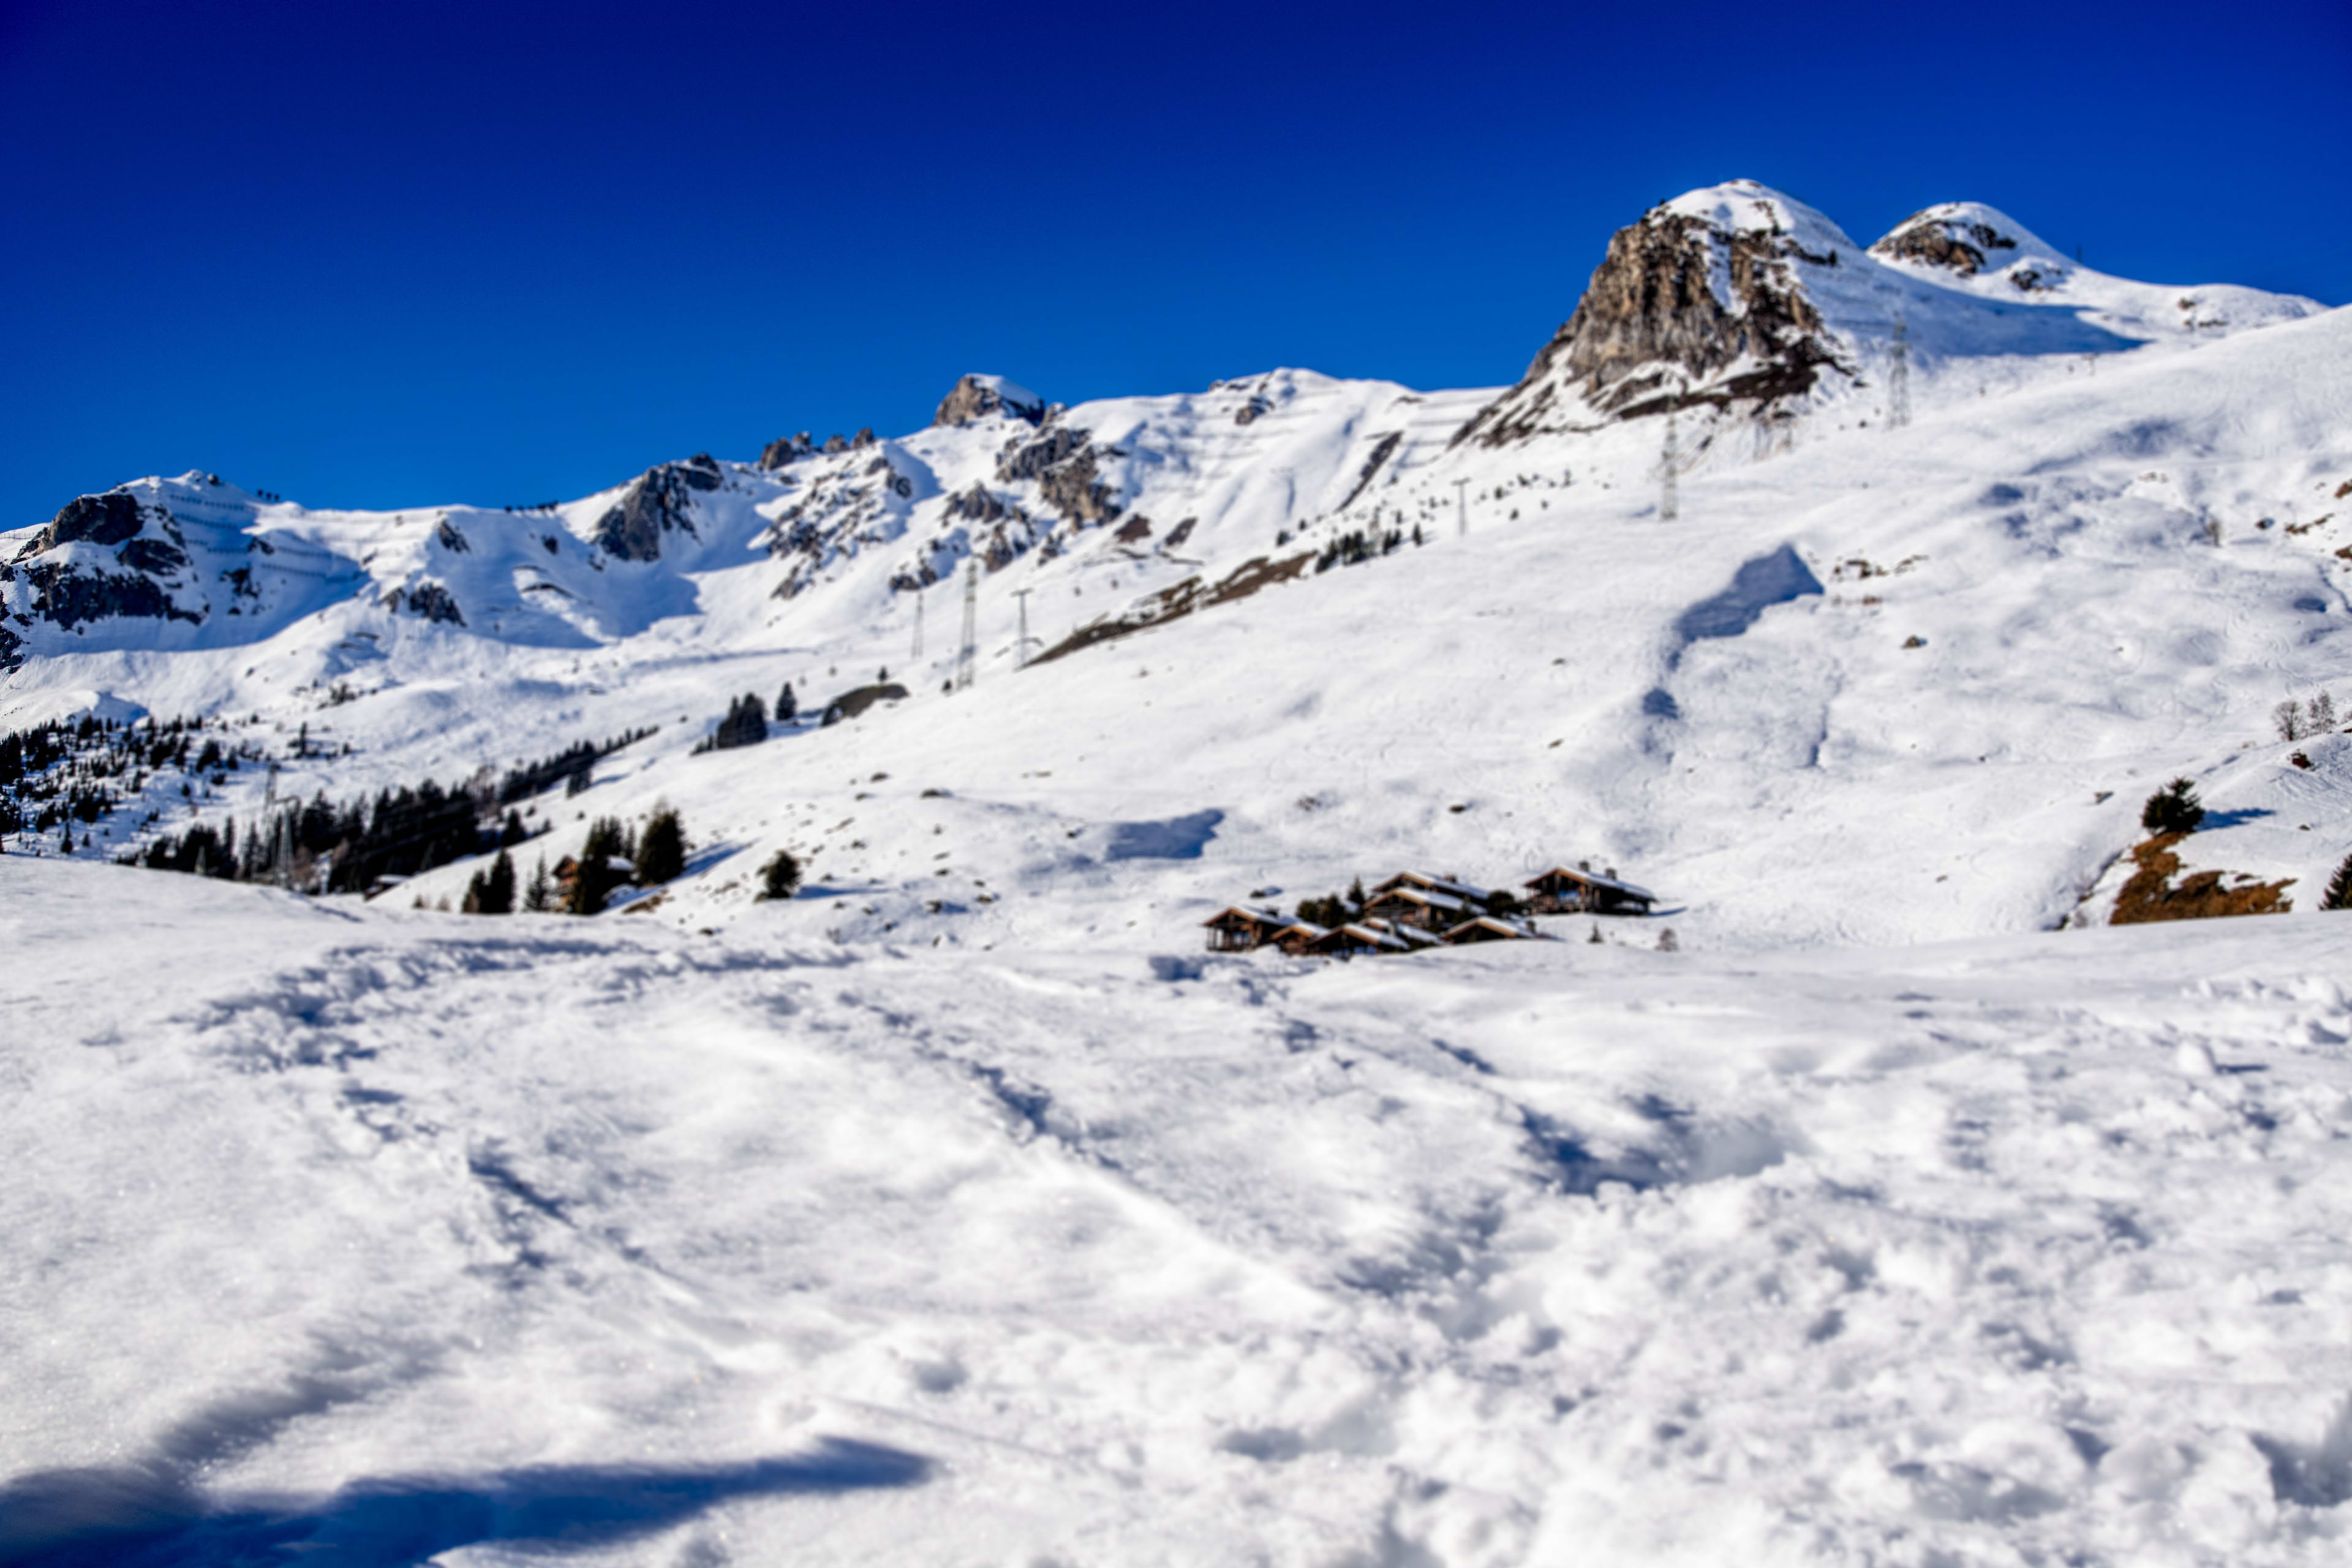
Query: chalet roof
(1593, 879)
(1372, 935)
(1518, 928)
(1250, 912)
(1433, 899)
(1307, 928)
(1411, 936)
(1437, 884)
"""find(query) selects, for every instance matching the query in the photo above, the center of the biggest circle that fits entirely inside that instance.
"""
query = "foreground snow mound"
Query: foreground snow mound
(405, 1236)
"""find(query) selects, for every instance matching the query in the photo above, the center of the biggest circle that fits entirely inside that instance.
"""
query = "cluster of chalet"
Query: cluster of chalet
(1413, 910)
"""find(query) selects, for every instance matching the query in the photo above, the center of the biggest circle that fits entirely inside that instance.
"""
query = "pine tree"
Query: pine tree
(592, 881)
(2339, 887)
(661, 848)
(781, 877)
(499, 886)
(2175, 808)
(787, 706)
(540, 894)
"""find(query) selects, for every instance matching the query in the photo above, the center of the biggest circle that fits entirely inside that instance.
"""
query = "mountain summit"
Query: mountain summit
(1745, 302)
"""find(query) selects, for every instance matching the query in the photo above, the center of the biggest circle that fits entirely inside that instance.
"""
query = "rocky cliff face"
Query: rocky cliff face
(1701, 302)
(1064, 463)
(660, 501)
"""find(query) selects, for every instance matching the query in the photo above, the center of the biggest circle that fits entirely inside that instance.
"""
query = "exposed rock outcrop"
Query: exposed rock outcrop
(104, 520)
(784, 450)
(1963, 239)
(1062, 460)
(66, 595)
(2150, 894)
(1701, 302)
(1382, 450)
(1952, 242)
(977, 396)
(659, 501)
(858, 699)
(429, 600)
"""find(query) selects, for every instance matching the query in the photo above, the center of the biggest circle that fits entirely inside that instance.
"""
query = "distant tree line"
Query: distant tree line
(746, 723)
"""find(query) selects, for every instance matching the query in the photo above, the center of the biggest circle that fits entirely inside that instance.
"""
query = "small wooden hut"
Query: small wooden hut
(1242, 928)
(1560, 892)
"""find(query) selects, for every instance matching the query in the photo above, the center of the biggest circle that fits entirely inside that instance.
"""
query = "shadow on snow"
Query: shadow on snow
(147, 1517)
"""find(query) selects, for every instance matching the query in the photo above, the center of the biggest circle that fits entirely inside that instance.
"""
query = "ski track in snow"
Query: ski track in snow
(2018, 1250)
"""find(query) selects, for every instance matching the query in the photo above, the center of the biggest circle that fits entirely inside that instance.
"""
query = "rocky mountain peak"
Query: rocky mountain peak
(977, 396)
(1961, 237)
(1702, 301)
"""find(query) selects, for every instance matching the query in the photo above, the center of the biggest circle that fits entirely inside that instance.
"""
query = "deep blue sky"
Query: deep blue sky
(393, 254)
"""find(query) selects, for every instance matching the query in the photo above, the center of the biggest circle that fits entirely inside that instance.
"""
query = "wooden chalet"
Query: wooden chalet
(1407, 903)
(1427, 883)
(1491, 928)
(1242, 928)
(1354, 938)
(1300, 937)
(1413, 937)
(1560, 892)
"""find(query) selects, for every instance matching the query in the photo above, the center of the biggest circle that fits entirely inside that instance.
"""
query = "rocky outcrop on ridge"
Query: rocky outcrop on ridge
(659, 502)
(784, 450)
(977, 396)
(1686, 309)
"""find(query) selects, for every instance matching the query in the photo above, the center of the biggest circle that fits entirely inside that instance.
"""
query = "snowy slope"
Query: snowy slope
(961, 1210)
(684, 1249)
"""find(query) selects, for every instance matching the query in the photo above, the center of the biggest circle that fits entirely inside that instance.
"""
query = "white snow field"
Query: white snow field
(378, 1240)
(963, 1210)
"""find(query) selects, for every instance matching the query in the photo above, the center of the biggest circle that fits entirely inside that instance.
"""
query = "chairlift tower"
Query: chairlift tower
(1021, 647)
(1899, 376)
(917, 657)
(1462, 508)
(967, 655)
(1669, 459)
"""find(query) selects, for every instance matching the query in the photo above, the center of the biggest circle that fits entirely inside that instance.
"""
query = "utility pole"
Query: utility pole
(968, 657)
(1669, 502)
(1021, 648)
(917, 657)
(1898, 376)
(1462, 512)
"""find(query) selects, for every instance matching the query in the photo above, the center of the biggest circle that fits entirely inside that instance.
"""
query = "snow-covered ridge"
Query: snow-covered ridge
(1735, 303)
(2087, 567)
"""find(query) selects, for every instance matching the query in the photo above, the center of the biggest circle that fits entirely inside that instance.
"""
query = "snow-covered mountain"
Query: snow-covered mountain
(2102, 547)
(962, 1209)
